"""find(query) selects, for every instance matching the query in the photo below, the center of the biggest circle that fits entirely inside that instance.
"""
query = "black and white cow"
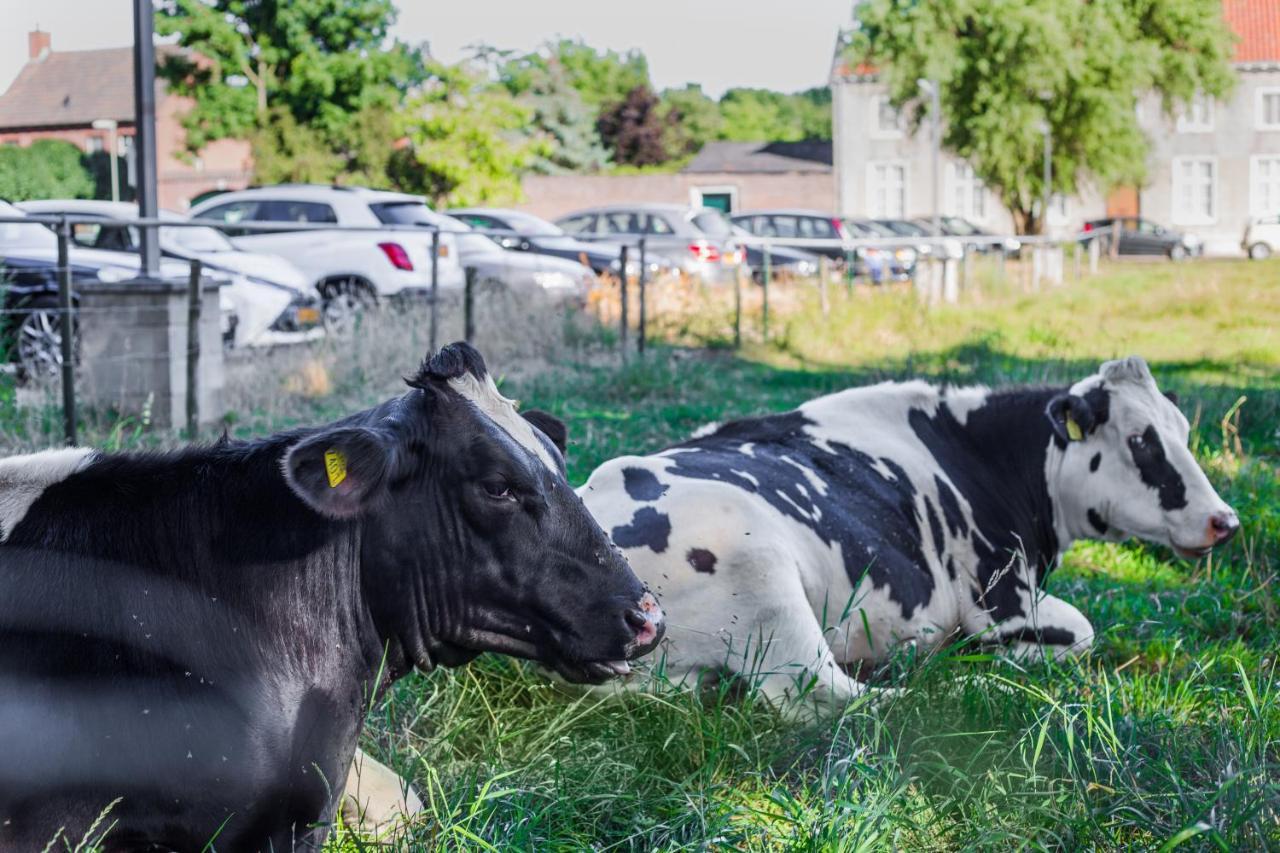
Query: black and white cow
(790, 546)
(199, 633)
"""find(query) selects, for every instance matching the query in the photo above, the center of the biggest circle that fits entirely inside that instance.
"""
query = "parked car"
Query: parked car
(31, 321)
(274, 302)
(985, 241)
(351, 269)
(1140, 236)
(898, 261)
(783, 261)
(952, 249)
(785, 225)
(698, 240)
(555, 276)
(537, 235)
(1261, 237)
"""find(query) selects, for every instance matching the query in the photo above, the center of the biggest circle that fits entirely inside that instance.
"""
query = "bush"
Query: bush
(48, 168)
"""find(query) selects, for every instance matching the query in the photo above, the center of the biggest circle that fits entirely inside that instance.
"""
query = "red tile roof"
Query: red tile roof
(72, 88)
(1257, 24)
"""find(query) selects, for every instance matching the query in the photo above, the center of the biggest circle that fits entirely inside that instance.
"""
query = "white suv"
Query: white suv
(351, 269)
(1262, 237)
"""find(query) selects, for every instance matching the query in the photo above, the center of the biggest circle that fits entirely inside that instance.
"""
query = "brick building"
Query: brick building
(60, 95)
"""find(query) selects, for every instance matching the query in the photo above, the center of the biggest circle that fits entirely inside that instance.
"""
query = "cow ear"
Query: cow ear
(1071, 417)
(340, 473)
(551, 426)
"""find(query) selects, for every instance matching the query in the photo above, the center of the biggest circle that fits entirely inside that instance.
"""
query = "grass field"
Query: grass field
(1167, 735)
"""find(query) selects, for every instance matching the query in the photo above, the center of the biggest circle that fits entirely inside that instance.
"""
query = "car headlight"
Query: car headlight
(905, 255)
(114, 274)
(550, 280)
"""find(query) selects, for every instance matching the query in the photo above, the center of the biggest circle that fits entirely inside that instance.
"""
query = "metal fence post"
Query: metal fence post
(822, 286)
(68, 331)
(193, 348)
(468, 304)
(737, 306)
(641, 282)
(435, 289)
(764, 293)
(622, 295)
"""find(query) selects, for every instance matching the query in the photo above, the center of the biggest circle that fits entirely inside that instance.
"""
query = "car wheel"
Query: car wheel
(345, 302)
(1178, 253)
(1260, 251)
(39, 342)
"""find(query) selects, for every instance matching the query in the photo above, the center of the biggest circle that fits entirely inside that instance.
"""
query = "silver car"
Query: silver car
(697, 240)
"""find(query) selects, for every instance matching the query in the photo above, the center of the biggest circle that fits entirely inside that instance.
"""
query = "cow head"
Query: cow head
(471, 538)
(1125, 469)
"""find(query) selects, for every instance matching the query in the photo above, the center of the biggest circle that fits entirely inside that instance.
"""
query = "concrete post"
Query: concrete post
(133, 350)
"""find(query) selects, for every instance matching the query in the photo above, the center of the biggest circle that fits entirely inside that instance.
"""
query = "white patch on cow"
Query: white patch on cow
(962, 401)
(746, 475)
(814, 480)
(705, 430)
(748, 449)
(502, 411)
(23, 480)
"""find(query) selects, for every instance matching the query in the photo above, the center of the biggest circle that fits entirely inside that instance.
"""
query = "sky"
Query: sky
(718, 43)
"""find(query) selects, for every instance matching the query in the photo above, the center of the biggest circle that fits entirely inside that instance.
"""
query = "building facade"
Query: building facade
(1209, 168)
(77, 96)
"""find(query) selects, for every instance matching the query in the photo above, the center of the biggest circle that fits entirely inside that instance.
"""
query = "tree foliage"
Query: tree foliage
(47, 168)
(321, 62)
(752, 115)
(693, 119)
(636, 129)
(1007, 67)
(466, 140)
(563, 121)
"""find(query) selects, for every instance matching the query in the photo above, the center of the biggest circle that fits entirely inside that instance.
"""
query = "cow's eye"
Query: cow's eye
(498, 489)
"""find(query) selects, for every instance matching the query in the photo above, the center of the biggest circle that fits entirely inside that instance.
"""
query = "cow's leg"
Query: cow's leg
(1052, 629)
(375, 796)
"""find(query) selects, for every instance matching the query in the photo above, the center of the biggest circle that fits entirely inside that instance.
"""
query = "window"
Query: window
(584, 224)
(886, 119)
(966, 195)
(296, 211)
(1268, 109)
(783, 226)
(406, 213)
(886, 190)
(1195, 190)
(1264, 185)
(817, 228)
(231, 213)
(1197, 116)
(657, 225)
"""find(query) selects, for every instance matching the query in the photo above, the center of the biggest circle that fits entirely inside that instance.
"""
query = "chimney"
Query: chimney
(38, 44)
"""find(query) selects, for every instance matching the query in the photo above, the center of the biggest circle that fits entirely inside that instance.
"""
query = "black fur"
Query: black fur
(642, 485)
(1156, 471)
(1096, 520)
(702, 560)
(648, 528)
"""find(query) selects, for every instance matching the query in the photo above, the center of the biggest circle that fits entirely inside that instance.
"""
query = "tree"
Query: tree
(47, 168)
(751, 115)
(602, 78)
(693, 119)
(1007, 67)
(466, 140)
(564, 122)
(248, 63)
(635, 129)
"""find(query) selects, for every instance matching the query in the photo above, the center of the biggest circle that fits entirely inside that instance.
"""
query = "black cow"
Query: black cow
(199, 633)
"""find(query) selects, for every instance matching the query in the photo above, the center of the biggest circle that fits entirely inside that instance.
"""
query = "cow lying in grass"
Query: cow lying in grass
(198, 634)
(789, 547)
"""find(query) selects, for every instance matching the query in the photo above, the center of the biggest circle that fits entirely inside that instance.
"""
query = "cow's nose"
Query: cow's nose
(1223, 525)
(647, 621)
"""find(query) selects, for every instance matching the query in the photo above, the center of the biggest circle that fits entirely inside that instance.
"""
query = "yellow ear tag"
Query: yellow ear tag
(1073, 430)
(335, 465)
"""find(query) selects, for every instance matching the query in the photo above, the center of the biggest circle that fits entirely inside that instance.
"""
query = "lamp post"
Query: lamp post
(1047, 132)
(110, 125)
(144, 105)
(930, 89)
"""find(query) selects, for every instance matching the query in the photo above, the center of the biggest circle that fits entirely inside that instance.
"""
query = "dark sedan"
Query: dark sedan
(1142, 237)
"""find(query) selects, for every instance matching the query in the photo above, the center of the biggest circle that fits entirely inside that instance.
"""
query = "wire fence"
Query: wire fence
(155, 343)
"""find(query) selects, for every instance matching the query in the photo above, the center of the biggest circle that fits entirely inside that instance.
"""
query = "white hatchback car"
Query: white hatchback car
(351, 269)
(1262, 237)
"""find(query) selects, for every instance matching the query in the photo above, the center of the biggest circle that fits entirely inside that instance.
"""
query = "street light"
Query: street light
(1047, 131)
(110, 125)
(930, 89)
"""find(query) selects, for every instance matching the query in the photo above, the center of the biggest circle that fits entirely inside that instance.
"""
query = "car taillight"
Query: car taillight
(704, 252)
(1088, 226)
(397, 255)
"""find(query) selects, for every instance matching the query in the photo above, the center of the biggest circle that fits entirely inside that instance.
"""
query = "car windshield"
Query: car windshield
(196, 239)
(476, 244)
(903, 229)
(406, 212)
(959, 227)
(532, 226)
(15, 235)
(713, 224)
